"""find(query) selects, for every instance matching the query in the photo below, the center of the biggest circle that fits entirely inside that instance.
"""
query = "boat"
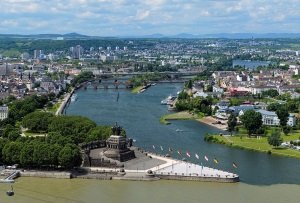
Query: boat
(73, 98)
(153, 84)
(142, 90)
(167, 100)
(178, 130)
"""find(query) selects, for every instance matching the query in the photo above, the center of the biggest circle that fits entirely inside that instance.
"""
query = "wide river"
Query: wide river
(264, 178)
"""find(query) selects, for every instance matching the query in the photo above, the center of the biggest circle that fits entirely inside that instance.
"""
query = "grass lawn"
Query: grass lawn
(28, 133)
(183, 115)
(261, 145)
(55, 107)
(136, 89)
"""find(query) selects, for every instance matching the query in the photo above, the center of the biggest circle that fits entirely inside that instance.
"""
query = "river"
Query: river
(264, 178)
(36, 190)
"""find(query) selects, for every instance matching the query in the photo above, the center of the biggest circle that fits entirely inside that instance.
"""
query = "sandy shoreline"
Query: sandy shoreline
(209, 120)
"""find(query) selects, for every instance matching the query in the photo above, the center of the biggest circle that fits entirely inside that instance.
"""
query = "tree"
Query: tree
(189, 84)
(273, 106)
(14, 135)
(232, 122)
(37, 121)
(54, 154)
(26, 155)
(286, 130)
(283, 115)
(275, 139)
(270, 93)
(99, 133)
(74, 127)
(70, 157)
(11, 152)
(252, 121)
(183, 95)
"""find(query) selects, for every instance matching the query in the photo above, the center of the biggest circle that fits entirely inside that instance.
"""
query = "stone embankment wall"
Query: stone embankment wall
(199, 178)
(46, 174)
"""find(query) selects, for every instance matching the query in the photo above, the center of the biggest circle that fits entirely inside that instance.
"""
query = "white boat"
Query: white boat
(73, 98)
(153, 84)
(142, 90)
(166, 100)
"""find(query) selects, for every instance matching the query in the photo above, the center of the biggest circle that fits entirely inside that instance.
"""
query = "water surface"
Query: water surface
(139, 115)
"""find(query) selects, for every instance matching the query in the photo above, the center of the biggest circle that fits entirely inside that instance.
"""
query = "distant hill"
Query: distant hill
(220, 35)
(67, 36)
(74, 35)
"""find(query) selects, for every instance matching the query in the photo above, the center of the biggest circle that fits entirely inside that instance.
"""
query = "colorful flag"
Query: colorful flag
(188, 154)
(179, 152)
(153, 146)
(197, 156)
(162, 149)
(205, 157)
(234, 165)
(216, 161)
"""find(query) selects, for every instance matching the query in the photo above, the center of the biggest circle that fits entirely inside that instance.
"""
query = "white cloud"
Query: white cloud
(141, 14)
(112, 17)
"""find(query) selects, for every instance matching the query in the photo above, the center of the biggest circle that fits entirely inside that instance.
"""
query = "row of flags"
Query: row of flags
(216, 161)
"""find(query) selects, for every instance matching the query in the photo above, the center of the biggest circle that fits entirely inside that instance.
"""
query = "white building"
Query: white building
(3, 112)
(270, 118)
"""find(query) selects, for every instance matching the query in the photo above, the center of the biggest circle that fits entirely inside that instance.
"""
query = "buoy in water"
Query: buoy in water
(10, 192)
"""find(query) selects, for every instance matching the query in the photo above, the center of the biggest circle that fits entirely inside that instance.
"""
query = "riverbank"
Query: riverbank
(185, 115)
(182, 115)
(258, 144)
(64, 102)
(209, 120)
(137, 89)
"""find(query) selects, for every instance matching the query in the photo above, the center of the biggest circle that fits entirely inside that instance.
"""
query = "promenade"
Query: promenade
(65, 101)
(149, 166)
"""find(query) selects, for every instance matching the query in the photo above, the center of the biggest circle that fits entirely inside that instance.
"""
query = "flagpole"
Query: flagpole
(201, 168)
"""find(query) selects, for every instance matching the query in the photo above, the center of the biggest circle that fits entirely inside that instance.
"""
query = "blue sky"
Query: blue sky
(142, 17)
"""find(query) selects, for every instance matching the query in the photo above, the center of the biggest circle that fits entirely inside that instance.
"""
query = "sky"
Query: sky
(145, 17)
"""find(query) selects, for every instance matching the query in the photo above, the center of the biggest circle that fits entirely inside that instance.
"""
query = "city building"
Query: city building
(3, 112)
(37, 54)
(271, 118)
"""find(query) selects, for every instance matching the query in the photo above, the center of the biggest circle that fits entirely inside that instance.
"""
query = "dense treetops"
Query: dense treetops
(197, 104)
(82, 77)
(140, 80)
(58, 148)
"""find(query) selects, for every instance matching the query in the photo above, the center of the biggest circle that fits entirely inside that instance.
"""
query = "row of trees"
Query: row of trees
(38, 153)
